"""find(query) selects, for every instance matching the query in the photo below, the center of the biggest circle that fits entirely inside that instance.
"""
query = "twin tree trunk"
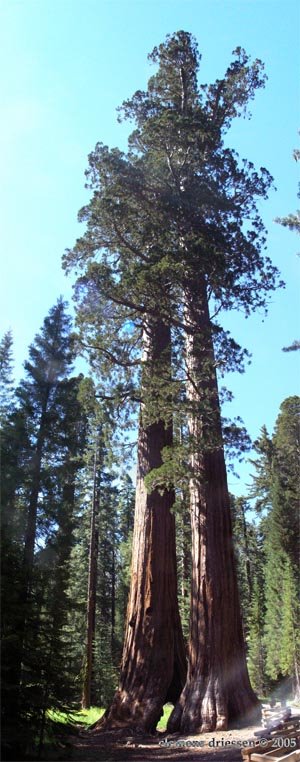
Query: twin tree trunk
(153, 664)
(217, 688)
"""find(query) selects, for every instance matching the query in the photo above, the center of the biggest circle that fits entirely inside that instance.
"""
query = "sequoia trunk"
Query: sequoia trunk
(217, 687)
(153, 664)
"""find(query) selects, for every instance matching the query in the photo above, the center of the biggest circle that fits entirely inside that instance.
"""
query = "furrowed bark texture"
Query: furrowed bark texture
(217, 689)
(153, 663)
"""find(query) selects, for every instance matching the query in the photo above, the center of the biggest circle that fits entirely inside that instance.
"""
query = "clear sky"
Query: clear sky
(65, 67)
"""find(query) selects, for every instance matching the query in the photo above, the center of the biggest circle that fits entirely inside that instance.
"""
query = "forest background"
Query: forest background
(55, 522)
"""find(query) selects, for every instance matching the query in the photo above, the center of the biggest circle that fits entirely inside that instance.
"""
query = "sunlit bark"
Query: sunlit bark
(153, 663)
(217, 687)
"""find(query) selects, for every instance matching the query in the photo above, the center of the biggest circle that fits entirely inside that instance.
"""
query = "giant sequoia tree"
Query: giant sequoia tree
(123, 299)
(174, 237)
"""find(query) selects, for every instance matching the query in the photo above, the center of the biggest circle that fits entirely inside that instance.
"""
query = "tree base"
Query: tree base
(133, 717)
(196, 712)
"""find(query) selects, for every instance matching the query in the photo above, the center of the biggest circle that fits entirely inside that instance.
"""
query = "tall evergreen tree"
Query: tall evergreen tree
(176, 205)
(92, 586)
(43, 447)
(278, 476)
(128, 280)
(246, 544)
(50, 361)
(290, 640)
(250, 556)
(256, 645)
(6, 375)
(94, 630)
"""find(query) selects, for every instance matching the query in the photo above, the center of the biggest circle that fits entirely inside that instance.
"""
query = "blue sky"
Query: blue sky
(65, 67)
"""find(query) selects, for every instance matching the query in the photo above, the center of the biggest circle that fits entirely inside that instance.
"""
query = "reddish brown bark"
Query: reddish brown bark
(153, 663)
(217, 689)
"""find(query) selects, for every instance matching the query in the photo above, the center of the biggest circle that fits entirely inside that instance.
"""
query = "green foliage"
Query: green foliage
(274, 575)
(247, 546)
(113, 526)
(277, 481)
(88, 717)
(82, 716)
(256, 646)
(42, 447)
(292, 221)
(167, 211)
(290, 641)
(6, 376)
(184, 561)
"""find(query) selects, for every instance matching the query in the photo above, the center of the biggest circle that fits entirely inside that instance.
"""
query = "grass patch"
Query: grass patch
(79, 717)
(87, 717)
(164, 719)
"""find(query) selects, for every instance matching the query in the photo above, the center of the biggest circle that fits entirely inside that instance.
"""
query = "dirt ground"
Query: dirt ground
(94, 746)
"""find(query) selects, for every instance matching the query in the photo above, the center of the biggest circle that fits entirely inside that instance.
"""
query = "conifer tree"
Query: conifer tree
(183, 546)
(129, 284)
(50, 361)
(43, 444)
(176, 205)
(101, 581)
(112, 532)
(277, 474)
(92, 585)
(290, 641)
(55, 557)
(256, 645)
(6, 375)
(248, 546)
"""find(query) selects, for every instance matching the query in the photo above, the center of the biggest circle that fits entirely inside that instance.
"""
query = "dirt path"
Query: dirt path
(210, 747)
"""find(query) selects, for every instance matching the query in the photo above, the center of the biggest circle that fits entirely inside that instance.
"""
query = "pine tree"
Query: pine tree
(279, 582)
(256, 646)
(125, 520)
(183, 547)
(277, 475)
(246, 545)
(6, 376)
(55, 557)
(264, 466)
(92, 586)
(250, 558)
(38, 503)
(98, 583)
(290, 642)
(50, 361)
